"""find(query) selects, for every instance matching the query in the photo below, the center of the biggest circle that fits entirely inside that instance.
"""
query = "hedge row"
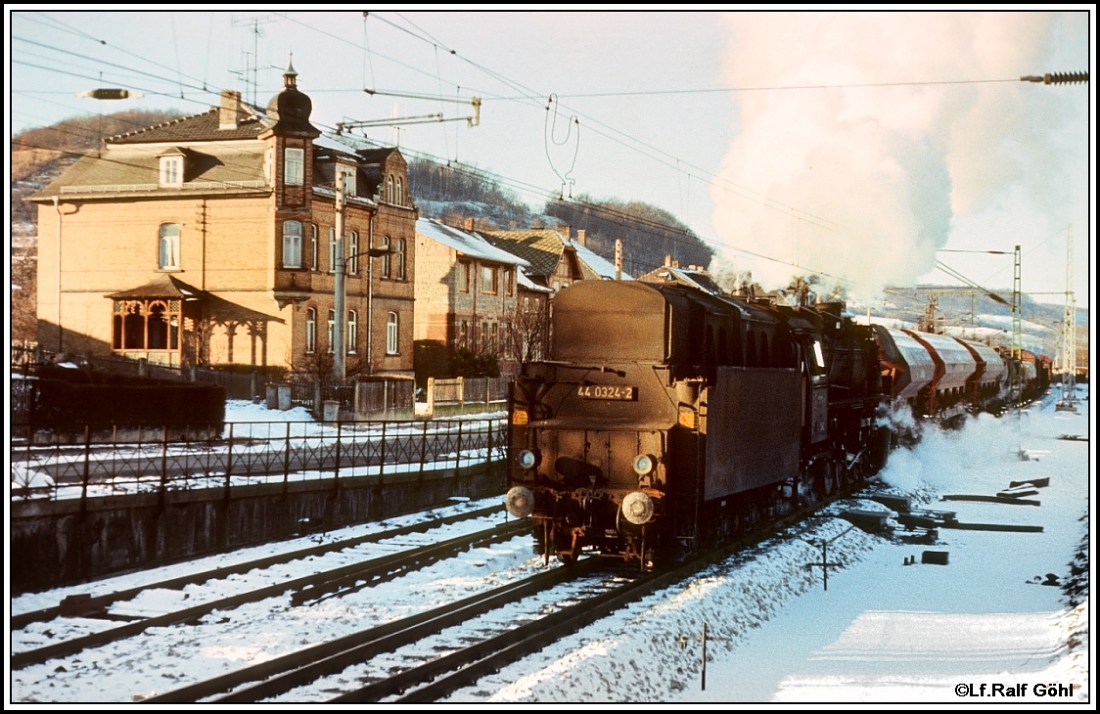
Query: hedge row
(127, 402)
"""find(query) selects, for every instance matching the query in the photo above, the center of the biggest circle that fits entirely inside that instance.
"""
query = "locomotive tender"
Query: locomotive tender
(669, 419)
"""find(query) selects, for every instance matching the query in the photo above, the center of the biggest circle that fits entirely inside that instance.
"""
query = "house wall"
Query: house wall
(230, 247)
(442, 303)
(227, 246)
(433, 312)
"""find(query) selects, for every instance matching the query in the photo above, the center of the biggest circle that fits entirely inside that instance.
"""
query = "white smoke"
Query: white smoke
(862, 183)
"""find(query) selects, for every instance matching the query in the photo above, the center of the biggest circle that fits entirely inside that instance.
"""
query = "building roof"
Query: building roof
(162, 286)
(541, 248)
(133, 170)
(194, 128)
(600, 266)
(525, 282)
(469, 244)
(693, 277)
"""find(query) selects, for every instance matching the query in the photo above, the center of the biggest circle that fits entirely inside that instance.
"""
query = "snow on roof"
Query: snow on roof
(469, 244)
(601, 265)
(526, 283)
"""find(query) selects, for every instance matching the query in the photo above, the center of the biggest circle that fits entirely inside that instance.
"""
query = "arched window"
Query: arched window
(311, 330)
(399, 195)
(389, 189)
(391, 334)
(353, 330)
(169, 247)
(292, 244)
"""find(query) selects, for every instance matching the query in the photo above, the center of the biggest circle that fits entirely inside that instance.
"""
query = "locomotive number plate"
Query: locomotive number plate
(606, 391)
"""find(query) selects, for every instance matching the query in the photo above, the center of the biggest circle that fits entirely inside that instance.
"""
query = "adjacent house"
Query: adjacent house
(556, 260)
(211, 239)
(691, 276)
(466, 292)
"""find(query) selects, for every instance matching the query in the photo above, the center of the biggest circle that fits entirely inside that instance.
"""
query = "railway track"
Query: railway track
(301, 675)
(397, 668)
(326, 583)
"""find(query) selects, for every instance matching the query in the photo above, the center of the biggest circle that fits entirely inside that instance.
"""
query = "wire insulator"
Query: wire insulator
(1058, 78)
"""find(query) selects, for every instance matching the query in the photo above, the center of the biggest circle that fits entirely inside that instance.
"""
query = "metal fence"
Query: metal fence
(248, 453)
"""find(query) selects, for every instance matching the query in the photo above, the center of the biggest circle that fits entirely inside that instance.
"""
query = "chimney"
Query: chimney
(565, 231)
(230, 111)
(580, 236)
(468, 224)
(668, 261)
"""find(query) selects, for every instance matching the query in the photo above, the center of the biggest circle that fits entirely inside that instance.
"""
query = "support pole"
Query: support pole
(339, 349)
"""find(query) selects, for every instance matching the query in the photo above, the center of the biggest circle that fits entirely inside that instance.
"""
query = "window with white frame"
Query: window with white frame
(353, 253)
(391, 334)
(169, 247)
(294, 167)
(171, 171)
(292, 244)
(332, 250)
(389, 189)
(399, 194)
(313, 247)
(311, 330)
(386, 258)
(331, 329)
(399, 259)
(353, 330)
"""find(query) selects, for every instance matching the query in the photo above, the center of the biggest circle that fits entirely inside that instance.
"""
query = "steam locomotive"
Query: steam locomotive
(668, 419)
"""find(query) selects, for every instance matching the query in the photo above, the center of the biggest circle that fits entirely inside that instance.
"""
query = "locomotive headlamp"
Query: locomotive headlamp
(638, 508)
(527, 459)
(520, 502)
(644, 464)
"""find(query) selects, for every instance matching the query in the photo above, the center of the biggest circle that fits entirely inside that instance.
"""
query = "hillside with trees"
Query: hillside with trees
(453, 193)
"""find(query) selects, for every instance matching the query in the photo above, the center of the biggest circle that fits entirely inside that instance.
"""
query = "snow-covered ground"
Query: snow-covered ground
(971, 631)
(884, 631)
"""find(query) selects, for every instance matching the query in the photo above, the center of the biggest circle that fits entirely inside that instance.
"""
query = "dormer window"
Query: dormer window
(171, 170)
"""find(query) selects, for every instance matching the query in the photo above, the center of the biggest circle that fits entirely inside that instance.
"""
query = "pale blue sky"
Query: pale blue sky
(849, 181)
